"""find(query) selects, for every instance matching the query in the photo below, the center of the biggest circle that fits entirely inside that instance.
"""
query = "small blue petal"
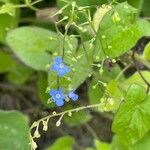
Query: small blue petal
(63, 71)
(73, 96)
(58, 60)
(55, 67)
(53, 92)
(60, 102)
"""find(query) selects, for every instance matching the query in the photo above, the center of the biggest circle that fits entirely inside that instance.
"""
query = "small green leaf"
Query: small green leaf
(19, 74)
(77, 118)
(147, 52)
(6, 62)
(132, 120)
(14, 131)
(63, 143)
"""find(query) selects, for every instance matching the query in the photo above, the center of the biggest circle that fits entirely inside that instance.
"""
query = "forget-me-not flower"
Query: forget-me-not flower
(73, 96)
(59, 67)
(57, 96)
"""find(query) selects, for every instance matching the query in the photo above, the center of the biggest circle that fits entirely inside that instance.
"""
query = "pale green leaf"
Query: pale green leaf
(36, 45)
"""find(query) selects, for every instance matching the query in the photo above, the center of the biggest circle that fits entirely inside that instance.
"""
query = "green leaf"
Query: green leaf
(19, 74)
(136, 78)
(95, 93)
(114, 90)
(132, 120)
(10, 20)
(31, 47)
(35, 44)
(63, 143)
(142, 144)
(147, 52)
(101, 145)
(77, 118)
(121, 31)
(42, 85)
(14, 131)
(6, 62)
(146, 6)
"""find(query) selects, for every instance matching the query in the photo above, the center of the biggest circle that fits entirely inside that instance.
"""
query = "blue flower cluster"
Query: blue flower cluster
(58, 95)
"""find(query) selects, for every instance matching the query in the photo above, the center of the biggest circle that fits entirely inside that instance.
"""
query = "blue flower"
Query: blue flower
(73, 96)
(57, 96)
(59, 67)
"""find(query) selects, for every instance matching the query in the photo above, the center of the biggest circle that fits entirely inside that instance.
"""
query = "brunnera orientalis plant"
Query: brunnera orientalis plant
(90, 41)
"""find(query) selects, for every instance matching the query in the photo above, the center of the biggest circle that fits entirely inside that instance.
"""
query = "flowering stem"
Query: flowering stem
(65, 112)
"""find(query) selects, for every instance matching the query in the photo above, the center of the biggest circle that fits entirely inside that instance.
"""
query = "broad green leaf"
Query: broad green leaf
(77, 118)
(147, 52)
(142, 144)
(119, 31)
(132, 120)
(14, 131)
(136, 78)
(6, 62)
(19, 74)
(8, 20)
(63, 143)
(36, 45)
(31, 47)
(116, 144)
(101, 145)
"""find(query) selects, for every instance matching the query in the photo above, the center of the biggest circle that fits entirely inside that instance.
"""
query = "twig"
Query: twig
(139, 72)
